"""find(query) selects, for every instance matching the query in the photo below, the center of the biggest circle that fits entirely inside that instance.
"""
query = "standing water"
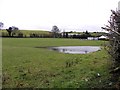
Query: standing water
(76, 49)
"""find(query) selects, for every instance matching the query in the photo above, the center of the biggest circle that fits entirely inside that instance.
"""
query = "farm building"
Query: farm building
(92, 38)
(103, 38)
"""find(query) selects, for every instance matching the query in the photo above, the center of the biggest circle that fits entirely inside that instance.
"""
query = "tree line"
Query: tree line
(55, 32)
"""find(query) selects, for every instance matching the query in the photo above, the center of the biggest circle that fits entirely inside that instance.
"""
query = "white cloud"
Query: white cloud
(43, 14)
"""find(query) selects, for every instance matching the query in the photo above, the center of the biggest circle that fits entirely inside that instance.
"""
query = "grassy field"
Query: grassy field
(28, 32)
(24, 65)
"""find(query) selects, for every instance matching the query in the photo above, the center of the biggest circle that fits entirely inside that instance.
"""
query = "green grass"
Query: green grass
(27, 66)
(28, 32)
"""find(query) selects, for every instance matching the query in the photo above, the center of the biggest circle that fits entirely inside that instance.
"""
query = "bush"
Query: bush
(114, 45)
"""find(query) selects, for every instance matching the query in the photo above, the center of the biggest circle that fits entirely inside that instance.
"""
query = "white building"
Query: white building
(103, 37)
(92, 38)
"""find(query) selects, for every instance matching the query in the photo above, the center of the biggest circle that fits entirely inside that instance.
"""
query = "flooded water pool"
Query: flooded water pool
(76, 49)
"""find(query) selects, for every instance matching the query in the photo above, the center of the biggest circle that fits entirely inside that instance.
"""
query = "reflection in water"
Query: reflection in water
(76, 49)
(64, 50)
(86, 52)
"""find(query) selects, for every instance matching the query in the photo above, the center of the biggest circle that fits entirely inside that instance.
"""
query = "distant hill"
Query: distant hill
(28, 32)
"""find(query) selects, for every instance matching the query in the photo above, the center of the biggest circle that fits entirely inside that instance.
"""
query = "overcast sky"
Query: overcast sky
(79, 15)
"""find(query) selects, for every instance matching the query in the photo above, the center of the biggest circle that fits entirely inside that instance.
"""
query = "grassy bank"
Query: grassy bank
(24, 65)
(27, 32)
